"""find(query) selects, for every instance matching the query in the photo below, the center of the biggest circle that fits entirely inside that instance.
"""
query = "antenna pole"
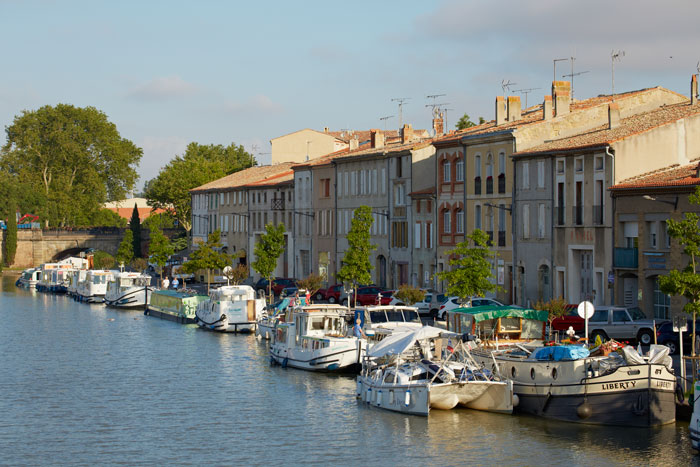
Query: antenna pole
(401, 101)
(554, 77)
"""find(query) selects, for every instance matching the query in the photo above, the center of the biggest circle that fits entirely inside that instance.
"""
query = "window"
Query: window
(501, 163)
(446, 169)
(399, 171)
(459, 168)
(630, 232)
(526, 175)
(460, 221)
(599, 165)
(399, 194)
(662, 302)
(416, 235)
(540, 174)
(540, 221)
(374, 181)
(446, 222)
(383, 180)
(578, 164)
(477, 216)
(345, 183)
(428, 235)
(560, 166)
(325, 187)
(526, 221)
(667, 237)
(477, 165)
(652, 234)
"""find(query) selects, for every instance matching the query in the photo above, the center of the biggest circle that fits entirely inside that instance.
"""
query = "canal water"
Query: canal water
(86, 384)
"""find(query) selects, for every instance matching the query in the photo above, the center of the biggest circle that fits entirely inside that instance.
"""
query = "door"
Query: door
(586, 274)
(629, 285)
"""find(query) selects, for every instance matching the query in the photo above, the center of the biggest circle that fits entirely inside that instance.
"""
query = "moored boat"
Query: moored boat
(412, 371)
(567, 382)
(129, 290)
(29, 278)
(694, 425)
(54, 277)
(175, 305)
(93, 288)
(230, 308)
(317, 338)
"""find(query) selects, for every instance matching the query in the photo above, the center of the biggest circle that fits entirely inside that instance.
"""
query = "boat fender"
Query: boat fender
(516, 400)
(584, 410)
(407, 400)
(145, 312)
(284, 362)
(679, 394)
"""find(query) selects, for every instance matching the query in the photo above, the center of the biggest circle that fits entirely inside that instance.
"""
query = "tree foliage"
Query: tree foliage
(107, 218)
(409, 294)
(313, 283)
(159, 249)
(72, 158)
(162, 220)
(555, 307)
(267, 251)
(102, 260)
(125, 252)
(139, 264)
(200, 164)
(237, 274)
(208, 256)
(464, 122)
(470, 273)
(10, 243)
(135, 227)
(356, 267)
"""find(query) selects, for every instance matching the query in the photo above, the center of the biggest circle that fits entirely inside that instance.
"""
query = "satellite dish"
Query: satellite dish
(585, 309)
(228, 270)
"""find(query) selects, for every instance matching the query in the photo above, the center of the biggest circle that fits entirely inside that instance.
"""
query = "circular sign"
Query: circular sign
(585, 309)
(228, 270)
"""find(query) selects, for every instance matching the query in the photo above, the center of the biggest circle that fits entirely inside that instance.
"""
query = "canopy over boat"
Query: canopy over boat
(400, 342)
(483, 313)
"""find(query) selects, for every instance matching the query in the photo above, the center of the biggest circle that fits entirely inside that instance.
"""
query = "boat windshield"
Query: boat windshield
(377, 316)
(411, 316)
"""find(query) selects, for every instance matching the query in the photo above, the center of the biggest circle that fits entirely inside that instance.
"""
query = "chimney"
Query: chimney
(325, 129)
(694, 90)
(406, 133)
(613, 115)
(561, 94)
(354, 143)
(438, 124)
(513, 108)
(376, 138)
(547, 107)
(500, 110)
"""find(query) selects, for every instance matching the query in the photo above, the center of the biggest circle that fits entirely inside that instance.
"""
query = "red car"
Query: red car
(331, 294)
(368, 295)
(570, 319)
(278, 284)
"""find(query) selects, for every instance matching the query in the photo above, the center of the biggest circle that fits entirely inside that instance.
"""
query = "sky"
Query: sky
(168, 73)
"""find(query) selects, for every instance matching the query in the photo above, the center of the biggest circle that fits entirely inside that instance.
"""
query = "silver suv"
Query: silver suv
(620, 322)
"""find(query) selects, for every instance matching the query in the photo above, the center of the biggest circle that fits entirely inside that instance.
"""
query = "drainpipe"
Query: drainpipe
(612, 180)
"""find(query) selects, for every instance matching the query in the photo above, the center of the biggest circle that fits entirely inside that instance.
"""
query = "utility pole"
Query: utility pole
(401, 101)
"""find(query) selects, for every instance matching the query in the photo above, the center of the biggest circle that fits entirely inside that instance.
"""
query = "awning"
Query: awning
(483, 313)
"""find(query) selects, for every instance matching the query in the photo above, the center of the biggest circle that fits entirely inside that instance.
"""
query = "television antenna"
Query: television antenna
(615, 56)
(554, 77)
(506, 85)
(384, 119)
(401, 101)
(445, 118)
(437, 107)
(526, 92)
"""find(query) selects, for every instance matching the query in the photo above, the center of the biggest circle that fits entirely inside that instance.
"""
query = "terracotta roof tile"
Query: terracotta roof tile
(668, 177)
(245, 177)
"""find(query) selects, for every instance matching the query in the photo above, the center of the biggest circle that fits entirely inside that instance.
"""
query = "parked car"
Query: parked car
(278, 284)
(622, 323)
(665, 335)
(455, 302)
(368, 295)
(331, 294)
(430, 304)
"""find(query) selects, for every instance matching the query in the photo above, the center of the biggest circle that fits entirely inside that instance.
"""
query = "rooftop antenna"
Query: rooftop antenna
(401, 101)
(436, 107)
(506, 85)
(385, 119)
(615, 56)
(445, 118)
(554, 78)
(571, 75)
(526, 92)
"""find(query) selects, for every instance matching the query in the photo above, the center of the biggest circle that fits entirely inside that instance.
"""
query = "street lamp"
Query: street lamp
(673, 203)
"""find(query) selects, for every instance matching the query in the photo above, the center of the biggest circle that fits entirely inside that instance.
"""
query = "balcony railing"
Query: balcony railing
(578, 215)
(598, 215)
(489, 185)
(278, 204)
(502, 183)
(501, 238)
(560, 213)
(626, 258)
(477, 185)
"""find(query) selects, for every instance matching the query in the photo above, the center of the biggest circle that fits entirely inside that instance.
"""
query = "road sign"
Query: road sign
(680, 323)
(585, 309)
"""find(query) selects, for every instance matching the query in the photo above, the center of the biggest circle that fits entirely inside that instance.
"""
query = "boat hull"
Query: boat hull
(135, 298)
(329, 359)
(169, 316)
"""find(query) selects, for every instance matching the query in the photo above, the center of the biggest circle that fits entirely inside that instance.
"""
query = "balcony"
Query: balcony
(627, 258)
(560, 213)
(598, 215)
(502, 183)
(477, 185)
(578, 215)
(501, 238)
(278, 204)
(489, 185)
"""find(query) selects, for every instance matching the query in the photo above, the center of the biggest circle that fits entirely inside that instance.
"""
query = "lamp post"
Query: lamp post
(673, 203)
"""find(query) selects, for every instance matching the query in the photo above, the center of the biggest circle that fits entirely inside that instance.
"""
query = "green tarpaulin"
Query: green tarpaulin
(483, 313)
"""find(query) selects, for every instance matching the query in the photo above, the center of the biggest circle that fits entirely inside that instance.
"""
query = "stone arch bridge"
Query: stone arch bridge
(36, 246)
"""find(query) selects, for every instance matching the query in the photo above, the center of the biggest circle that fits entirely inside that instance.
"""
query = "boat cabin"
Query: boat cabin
(233, 293)
(313, 325)
(378, 315)
(498, 323)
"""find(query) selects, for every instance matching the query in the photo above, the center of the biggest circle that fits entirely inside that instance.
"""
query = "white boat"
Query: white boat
(388, 319)
(129, 290)
(272, 314)
(567, 382)
(29, 278)
(317, 338)
(94, 287)
(230, 308)
(54, 277)
(413, 371)
(75, 277)
(694, 425)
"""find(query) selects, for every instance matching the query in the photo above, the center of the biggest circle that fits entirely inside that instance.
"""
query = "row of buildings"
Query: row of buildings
(574, 195)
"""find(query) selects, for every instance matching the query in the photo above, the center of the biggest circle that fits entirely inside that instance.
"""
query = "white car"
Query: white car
(456, 302)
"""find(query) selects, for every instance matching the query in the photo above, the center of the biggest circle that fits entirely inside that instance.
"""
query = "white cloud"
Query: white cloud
(255, 105)
(162, 89)
(157, 152)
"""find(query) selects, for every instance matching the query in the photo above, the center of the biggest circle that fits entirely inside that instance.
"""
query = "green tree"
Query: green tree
(102, 260)
(107, 218)
(409, 294)
(470, 271)
(139, 264)
(162, 220)
(464, 122)
(236, 275)
(10, 244)
(200, 164)
(208, 256)
(267, 251)
(125, 252)
(313, 282)
(686, 282)
(556, 308)
(356, 267)
(73, 157)
(135, 227)
(159, 249)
